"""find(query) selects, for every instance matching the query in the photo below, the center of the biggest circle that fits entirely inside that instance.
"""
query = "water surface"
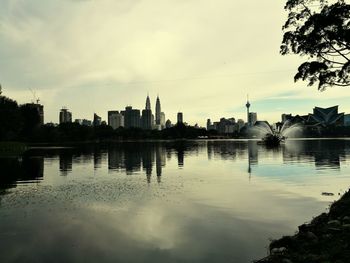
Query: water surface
(195, 201)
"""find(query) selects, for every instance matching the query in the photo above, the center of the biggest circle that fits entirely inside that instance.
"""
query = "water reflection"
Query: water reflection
(66, 162)
(151, 158)
(323, 153)
(162, 202)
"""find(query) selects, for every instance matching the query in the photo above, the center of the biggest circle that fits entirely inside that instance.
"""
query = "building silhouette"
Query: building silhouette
(97, 120)
(148, 103)
(131, 118)
(321, 117)
(209, 125)
(39, 108)
(147, 119)
(65, 116)
(158, 112)
(180, 118)
(162, 120)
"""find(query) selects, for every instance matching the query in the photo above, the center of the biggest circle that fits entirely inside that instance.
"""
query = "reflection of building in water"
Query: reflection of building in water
(22, 169)
(253, 152)
(160, 160)
(66, 161)
(210, 150)
(180, 157)
(147, 161)
(226, 150)
(252, 155)
(97, 159)
(115, 158)
(132, 158)
(231, 150)
(299, 151)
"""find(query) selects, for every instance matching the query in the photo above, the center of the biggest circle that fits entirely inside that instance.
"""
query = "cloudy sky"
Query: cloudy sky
(202, 56)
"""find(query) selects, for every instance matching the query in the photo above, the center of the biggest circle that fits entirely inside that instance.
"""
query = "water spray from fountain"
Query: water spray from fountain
(272, 137)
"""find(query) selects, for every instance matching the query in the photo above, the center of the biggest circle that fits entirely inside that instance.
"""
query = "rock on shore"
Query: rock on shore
(326, 239)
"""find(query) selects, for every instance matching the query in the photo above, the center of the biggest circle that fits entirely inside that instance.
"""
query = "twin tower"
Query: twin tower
(148, 121)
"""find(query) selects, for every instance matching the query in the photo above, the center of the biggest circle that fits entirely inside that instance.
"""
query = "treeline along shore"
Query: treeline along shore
(23, 123)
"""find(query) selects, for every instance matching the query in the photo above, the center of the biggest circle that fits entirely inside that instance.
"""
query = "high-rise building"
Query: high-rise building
(252, 118)
(39, 108)
(97, 120)
(148, 103)
(158, 111)
(115, 119)
(146, 118)
(180, 118)
(131, 118)
(65, 116)
(162, 120)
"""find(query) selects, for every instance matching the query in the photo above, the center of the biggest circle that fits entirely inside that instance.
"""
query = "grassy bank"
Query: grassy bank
(326, 239)
(12, 148)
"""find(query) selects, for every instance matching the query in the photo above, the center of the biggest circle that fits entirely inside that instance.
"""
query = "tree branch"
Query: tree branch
(330, 61)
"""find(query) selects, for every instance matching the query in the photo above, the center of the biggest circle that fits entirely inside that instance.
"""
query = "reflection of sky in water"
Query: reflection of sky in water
(169, 202)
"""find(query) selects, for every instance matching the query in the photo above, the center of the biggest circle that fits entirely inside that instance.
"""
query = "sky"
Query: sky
(201, 56)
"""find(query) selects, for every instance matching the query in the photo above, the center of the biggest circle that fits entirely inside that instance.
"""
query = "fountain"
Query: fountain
(273, 138)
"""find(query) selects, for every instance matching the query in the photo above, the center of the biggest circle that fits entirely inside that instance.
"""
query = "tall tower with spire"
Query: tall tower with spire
(248, 106)
(146, 118)
(148, 103)
(158, 112)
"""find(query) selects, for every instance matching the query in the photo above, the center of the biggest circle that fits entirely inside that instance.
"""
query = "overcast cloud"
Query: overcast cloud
(201, 56)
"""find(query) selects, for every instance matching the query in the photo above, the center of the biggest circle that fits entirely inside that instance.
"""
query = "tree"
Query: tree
(319, 29)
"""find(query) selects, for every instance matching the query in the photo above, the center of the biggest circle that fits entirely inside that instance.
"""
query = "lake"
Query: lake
(184, 201)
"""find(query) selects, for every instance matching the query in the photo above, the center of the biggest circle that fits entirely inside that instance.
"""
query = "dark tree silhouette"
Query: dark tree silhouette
(319, 29)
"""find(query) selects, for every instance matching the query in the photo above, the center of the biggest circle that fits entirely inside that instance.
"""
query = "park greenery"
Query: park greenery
(319, 30)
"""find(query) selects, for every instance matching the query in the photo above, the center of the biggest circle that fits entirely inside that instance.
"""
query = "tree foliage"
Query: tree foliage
(320, 30)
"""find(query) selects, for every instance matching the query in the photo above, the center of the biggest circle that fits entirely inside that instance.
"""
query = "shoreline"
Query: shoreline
(325, 239)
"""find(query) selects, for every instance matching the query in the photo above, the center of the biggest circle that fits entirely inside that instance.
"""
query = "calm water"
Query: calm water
(200, 201)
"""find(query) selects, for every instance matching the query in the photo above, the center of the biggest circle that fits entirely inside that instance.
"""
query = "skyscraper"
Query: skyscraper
(158, 112)
(131, 118)
(148, 103)
(146, 118)
(162, 120)
(39, 108)
(65, 116)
